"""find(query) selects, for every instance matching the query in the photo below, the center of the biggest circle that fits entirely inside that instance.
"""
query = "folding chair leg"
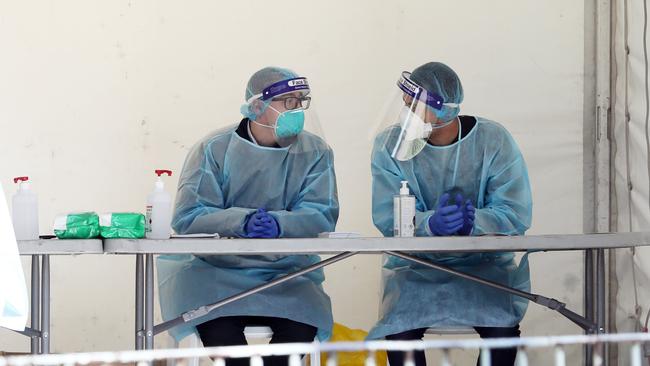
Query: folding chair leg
(314, 357)
(194, 343)
(175, 344)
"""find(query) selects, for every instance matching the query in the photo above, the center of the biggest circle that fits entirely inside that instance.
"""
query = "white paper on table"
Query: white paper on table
(13, 290)
(199, 235)
(339, 235)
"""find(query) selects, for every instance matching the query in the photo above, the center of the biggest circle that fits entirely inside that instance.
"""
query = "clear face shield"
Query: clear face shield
(284, 110)
(412, 115)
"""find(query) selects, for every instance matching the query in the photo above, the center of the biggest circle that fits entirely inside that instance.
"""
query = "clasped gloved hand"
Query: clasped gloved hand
(469, 214)
(447, 220)
(262, 225)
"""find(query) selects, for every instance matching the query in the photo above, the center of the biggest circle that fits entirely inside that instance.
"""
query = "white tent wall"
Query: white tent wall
(630, 200)
(95, 95)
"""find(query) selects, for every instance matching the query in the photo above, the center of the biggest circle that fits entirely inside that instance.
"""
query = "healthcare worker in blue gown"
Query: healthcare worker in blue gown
(269, 176)
(469, 178)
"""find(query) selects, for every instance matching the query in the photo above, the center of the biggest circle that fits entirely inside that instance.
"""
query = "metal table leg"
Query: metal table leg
(589, 297)
(550, 303)
(148, 312)
(36, 289)
(601, 301)
(590, 289)
(206, 309)
(45, 305)
(600, 288)
(139, 301)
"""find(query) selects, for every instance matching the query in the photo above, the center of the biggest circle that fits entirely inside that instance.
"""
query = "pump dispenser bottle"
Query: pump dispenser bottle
(159, 210)
(404, 212)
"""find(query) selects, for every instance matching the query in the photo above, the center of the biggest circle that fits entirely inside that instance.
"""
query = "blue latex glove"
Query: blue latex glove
(270, 224)
(447, 219)
(262, 225)
(469, 214)
(251, 223)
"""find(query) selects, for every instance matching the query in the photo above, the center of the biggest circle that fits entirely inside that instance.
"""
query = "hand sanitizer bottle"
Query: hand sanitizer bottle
(159, 210)
(24, 210)
(404, 213)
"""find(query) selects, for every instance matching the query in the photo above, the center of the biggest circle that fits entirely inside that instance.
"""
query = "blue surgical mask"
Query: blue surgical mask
(287, 126)
(290, 123)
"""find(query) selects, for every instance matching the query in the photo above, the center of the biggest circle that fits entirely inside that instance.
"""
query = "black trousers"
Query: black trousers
(229, 331)
(499, 357)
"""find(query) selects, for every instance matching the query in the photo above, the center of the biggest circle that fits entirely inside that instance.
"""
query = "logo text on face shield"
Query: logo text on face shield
(298, 82)
(408, 85)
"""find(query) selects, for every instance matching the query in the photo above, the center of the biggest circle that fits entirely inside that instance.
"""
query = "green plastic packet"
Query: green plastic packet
(126, 225)
(84, 225)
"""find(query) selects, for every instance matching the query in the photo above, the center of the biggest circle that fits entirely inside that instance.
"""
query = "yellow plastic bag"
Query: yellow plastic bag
(341, 333)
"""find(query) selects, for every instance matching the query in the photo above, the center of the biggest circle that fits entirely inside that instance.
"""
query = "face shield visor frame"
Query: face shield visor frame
(408, 120)
(415, 94)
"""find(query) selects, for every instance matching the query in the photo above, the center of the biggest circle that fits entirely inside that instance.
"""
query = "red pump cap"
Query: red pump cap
(160, 172)
(21, 179)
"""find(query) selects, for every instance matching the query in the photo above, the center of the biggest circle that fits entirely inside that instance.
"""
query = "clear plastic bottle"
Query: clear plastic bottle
(159, 210)
(404, 213)
(24, 208)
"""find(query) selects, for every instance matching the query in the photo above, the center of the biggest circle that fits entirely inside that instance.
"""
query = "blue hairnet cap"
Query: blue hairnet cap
(266, 77)
(439, 78)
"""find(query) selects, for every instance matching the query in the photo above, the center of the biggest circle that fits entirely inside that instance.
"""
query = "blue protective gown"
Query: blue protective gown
(226, 178)
(485, 166)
